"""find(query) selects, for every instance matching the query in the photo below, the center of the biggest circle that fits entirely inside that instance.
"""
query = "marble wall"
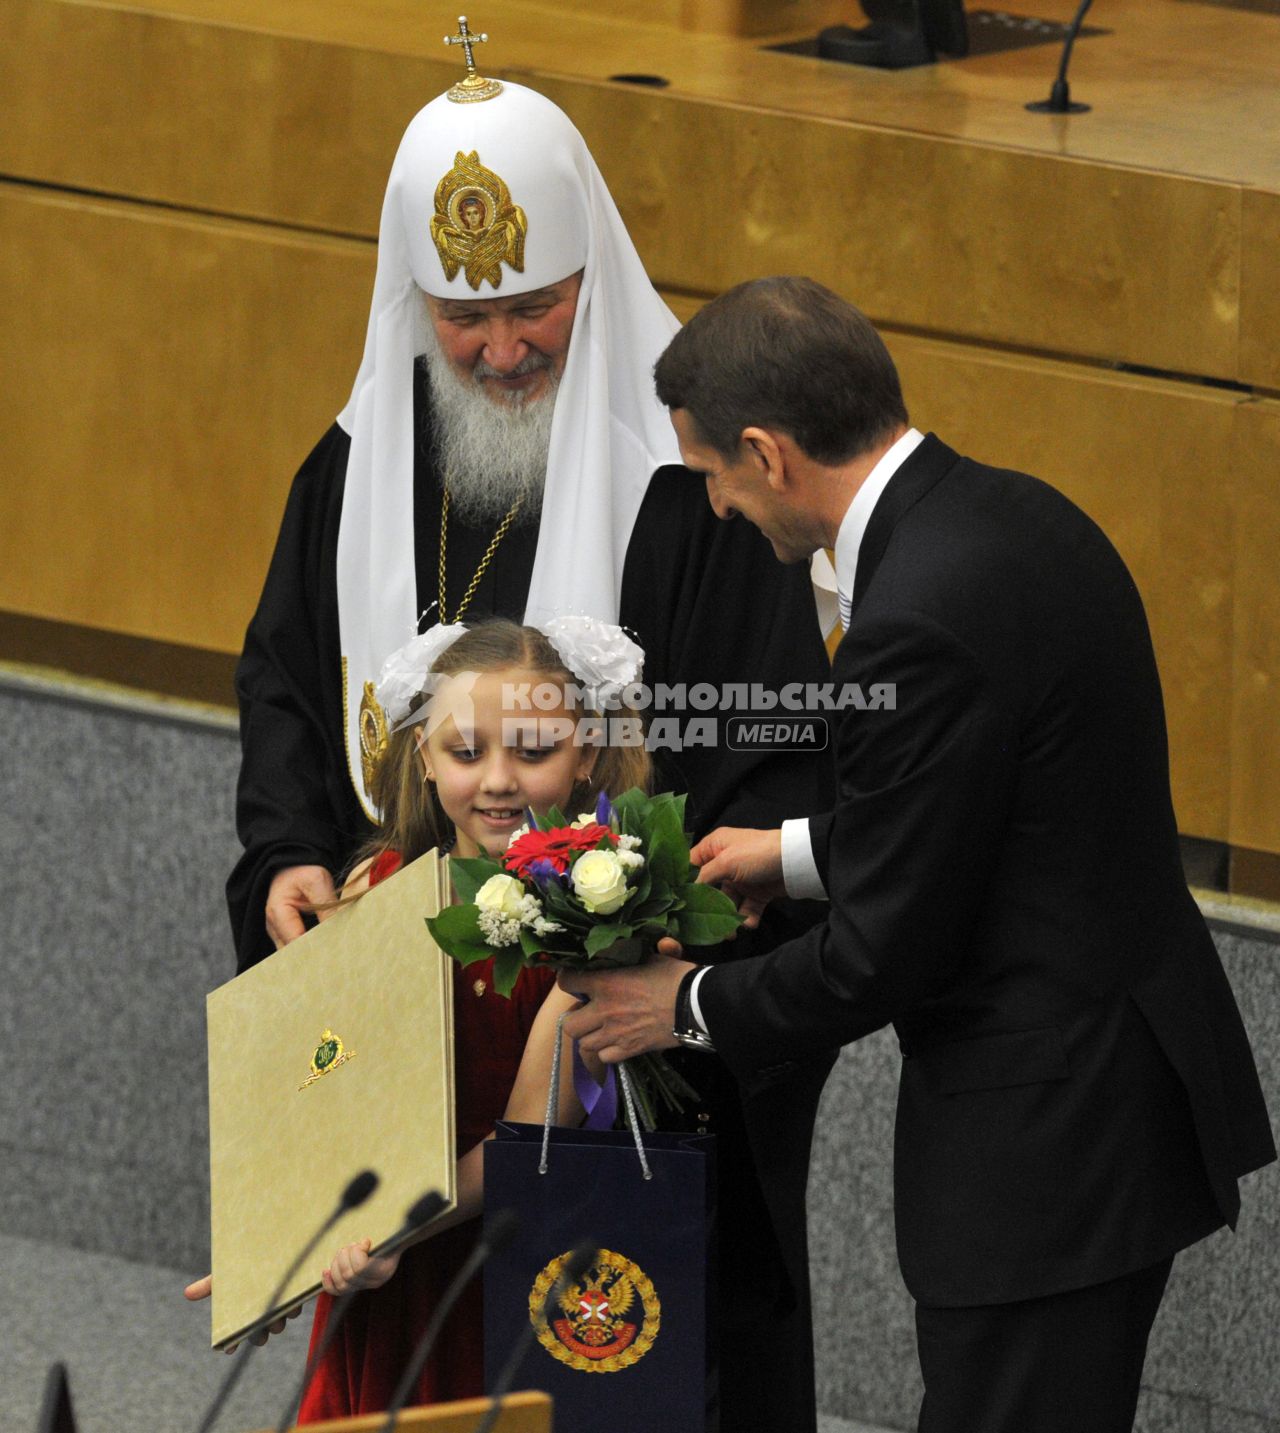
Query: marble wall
(116, 839)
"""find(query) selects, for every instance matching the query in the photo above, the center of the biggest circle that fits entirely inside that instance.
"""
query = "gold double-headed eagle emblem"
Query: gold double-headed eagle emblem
(608, 1320)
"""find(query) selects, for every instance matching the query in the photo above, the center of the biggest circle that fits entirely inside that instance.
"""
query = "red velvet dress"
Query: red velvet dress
(361, 1369)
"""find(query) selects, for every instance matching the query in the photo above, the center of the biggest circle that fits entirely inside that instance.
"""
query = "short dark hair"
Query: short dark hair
(784, 353)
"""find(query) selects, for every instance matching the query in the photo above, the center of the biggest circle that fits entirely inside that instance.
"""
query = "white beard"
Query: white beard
(490, 452)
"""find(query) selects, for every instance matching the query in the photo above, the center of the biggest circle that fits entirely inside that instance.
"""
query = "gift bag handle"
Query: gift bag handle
(606, 1101)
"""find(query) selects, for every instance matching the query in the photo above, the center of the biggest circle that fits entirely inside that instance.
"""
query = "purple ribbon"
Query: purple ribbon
(599, 1101)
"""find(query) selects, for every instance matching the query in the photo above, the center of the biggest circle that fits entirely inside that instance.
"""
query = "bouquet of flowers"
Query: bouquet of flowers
(597, 892)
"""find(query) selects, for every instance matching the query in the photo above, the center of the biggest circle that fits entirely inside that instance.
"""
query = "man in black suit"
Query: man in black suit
(1077, 1097)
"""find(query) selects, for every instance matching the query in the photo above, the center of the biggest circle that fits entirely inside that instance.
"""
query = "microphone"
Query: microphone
(500, 1229)
(56, 1412)
(1060, 101)
(352, 1197)
(431, 1204)
(575, 1266)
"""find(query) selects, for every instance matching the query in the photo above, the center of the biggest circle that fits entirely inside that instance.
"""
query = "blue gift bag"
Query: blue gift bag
(630, 1347)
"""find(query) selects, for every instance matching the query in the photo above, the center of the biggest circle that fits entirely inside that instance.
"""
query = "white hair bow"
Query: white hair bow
(599, 654)
(406, 671)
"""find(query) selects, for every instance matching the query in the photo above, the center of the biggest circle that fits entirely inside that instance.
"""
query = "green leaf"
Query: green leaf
(556, 942)
(456, 932)
(630, 809)
(705, 916)
(601, 937)
(667, 849)
(560, 906)
(507, 965)
(706, 900)
(694, 928)
(469, 873)
(651, 909)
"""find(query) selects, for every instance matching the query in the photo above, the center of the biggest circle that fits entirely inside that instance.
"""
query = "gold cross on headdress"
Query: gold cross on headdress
(474, 87)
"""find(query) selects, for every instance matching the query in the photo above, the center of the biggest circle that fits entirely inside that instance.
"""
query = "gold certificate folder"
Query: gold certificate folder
(333, 1055)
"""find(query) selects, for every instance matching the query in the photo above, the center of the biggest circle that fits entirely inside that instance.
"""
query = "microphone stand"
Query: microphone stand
(353, 1196)
(420, 1214)
(575, 1266)
(501, 1227)
(1060, 101)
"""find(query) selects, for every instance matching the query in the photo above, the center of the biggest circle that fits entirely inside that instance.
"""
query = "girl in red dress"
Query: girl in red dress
(471, 752)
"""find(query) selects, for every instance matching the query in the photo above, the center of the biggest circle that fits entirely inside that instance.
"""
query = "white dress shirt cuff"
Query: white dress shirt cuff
(799, 869)
(694, 1008)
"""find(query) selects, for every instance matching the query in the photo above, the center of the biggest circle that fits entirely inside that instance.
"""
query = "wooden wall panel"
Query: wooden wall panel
(1000, 244)
(953, 240)
(1260, 290)
(1255, 686)
(173, 374)
(204, 116)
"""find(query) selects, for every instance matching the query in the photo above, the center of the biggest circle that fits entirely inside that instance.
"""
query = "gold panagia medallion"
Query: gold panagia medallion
(476, 227)
(373, 734)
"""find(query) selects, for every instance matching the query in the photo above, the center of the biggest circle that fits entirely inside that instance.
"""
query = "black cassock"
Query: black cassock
(710, 604)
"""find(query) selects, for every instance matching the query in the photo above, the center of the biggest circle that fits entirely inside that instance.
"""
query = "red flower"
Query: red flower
(558, 846)
(537, 846)
(587, 838)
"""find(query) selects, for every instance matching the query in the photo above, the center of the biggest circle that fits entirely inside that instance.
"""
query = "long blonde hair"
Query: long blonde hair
(413, 821)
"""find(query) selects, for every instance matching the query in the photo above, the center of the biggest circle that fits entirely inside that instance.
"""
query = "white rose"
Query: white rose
(503, 895)
(600, 882)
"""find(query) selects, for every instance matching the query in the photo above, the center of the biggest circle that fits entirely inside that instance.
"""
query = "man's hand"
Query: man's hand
(745, 864)
(201, 1289)
(630, 1010)
(292, 889)
(354, 1268)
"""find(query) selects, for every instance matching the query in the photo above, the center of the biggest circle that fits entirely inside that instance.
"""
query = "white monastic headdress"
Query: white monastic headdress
(543, 213)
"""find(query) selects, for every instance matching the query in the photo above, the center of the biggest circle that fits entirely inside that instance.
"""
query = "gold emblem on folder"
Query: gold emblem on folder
(373, 734)
(610, 1318)
(329, 1054)
(476, 227)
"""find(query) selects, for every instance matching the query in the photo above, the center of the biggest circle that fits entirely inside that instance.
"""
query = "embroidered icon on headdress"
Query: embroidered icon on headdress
(373, 734)
(476, 227)
(329, 1054)
(602, 1330)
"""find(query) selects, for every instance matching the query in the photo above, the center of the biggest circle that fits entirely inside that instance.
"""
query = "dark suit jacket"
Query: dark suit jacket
(1078, 1097)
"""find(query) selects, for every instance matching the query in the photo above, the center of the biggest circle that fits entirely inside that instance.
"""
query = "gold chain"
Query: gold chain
(484, 561)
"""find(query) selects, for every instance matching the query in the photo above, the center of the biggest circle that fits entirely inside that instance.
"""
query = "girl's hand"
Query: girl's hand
(354, 1268)
(202, 1288)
